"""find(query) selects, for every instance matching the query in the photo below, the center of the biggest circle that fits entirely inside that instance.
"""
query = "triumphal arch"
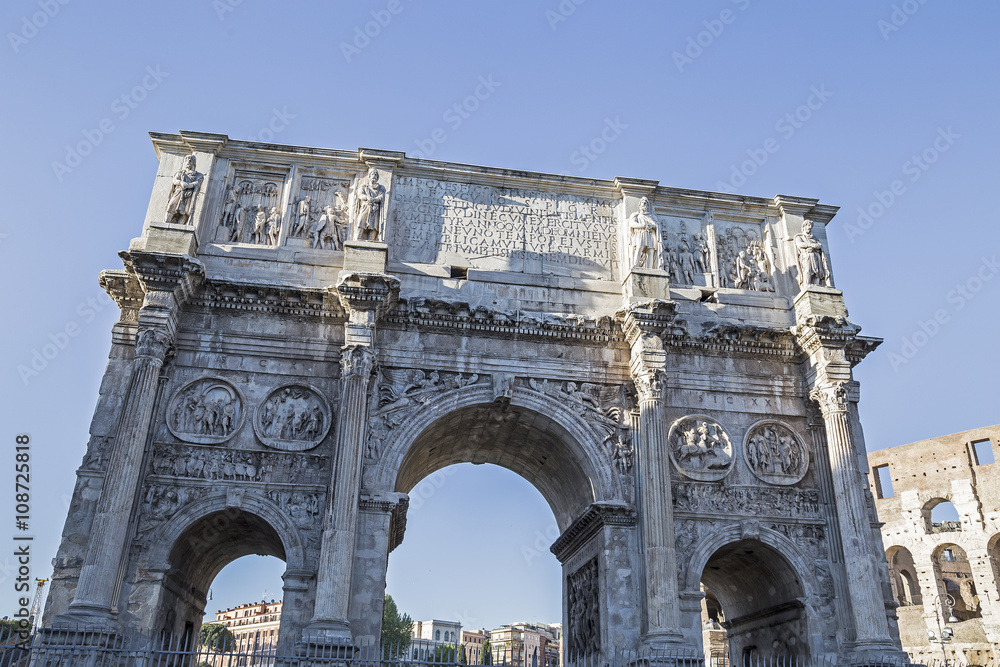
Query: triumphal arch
(307, 333)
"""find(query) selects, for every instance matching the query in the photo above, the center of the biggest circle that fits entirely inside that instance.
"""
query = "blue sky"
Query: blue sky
(886, 107)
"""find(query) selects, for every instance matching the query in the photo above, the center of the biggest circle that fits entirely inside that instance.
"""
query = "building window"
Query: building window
(983, 451)
(437, 635)
(883, 481)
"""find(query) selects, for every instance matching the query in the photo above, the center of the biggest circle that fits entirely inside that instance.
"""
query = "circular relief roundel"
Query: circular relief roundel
(700, 448)
(206, 411)
(293, 418)
(775, 453)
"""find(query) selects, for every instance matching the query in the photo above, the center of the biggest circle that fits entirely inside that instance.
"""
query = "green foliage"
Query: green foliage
(486, 657)
(7, 628)
(217, 637)
(445, 653)
(396, 631)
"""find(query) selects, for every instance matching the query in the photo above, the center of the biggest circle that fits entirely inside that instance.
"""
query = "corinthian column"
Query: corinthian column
(364, 296)
(167, 280)
(863, 587)
(642, 321)
(333, 586)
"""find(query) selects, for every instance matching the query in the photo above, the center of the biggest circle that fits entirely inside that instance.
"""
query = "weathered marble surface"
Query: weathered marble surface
(327, 328)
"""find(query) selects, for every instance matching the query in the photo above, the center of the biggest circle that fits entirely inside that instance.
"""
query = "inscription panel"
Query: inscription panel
(503, 229)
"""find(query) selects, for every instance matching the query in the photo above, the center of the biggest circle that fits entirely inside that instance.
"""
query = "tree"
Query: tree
(444, 654)
(396, 630)
(217, 637)
(486, 657)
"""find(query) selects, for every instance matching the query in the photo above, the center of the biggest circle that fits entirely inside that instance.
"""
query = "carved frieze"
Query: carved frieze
(687, 256)
(320, 213)
(775, 453)
(584, 607)
(251, 211)
(211, 463)
(206, 411)
(744, 260)
(700, 448)
(293, 418)
(770, 501)
(304, 508)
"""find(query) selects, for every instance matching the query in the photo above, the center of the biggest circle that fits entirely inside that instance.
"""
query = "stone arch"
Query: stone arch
(195, 544)
(993, 552)
(533, 435)
(903, 576)
(764, 586)
(934, 506)
(954, 577)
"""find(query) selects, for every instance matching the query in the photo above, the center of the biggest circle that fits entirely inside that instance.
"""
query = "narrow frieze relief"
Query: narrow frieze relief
(584, 607)
(205, 411)
(701, 498)
(214, 464)
(700, 448)
(775, 453)
(293, 418)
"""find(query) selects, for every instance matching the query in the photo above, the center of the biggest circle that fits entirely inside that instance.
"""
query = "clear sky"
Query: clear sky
(886, 107)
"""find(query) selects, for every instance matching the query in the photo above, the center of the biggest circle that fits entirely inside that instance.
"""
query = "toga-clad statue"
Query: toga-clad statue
(813, 269)
(183, 192)
(371, 198)
(647, 250)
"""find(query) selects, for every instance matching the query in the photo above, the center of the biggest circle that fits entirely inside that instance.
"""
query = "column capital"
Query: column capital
(153, 342)
(832, 397)
(650, 383)
(356, 361)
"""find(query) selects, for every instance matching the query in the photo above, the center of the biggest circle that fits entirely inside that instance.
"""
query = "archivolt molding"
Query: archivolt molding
(706, 546)
(584, 439)
(166, 535)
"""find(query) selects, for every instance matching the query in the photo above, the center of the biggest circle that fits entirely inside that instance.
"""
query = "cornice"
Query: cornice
(461, 317)
(180, 275)
(359, 291)
(595, 517)
(126, 291)
(224, 294)
(826, 331)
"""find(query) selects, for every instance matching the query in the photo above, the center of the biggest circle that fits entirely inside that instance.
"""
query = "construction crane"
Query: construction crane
(36, 604)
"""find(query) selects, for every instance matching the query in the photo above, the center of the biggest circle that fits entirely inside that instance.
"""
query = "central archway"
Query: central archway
(551, 445)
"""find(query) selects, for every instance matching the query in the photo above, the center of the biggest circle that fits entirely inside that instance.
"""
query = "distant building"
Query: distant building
(429, 635)
(944, 574)
(473, 642)
(527, 644)
(254, 626)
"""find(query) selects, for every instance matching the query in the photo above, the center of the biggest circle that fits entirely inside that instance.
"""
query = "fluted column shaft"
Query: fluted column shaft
(109, 533)
(865, 593)
(333, 586)
(662, 615)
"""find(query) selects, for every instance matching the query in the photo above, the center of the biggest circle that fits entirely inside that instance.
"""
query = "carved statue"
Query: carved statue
(685, 263)
(273, 225)
(259, 225)
(304, 210)
(702, 262)
(647, 252)
(371, 198)
(813, 269)
(183, 192)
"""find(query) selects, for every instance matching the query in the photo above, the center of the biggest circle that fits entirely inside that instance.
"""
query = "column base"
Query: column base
(876, 655)
(327, 639)
(667, 646)
(86, 616)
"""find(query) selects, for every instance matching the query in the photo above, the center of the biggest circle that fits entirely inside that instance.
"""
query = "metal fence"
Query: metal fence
(97, 648)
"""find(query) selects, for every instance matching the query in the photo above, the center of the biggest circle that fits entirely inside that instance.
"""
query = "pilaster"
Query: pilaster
(167, 282)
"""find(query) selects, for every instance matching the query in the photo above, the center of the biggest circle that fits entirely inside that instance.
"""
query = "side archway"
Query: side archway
(195, 544)
(762, 584)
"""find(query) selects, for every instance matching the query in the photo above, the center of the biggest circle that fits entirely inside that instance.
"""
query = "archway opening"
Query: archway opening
(993, 550)
(197, 557)
(903, 577)
(569, 471)
(753, 594)
(954, 575)
(940, 516)
(246, 597)
(476, 558)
